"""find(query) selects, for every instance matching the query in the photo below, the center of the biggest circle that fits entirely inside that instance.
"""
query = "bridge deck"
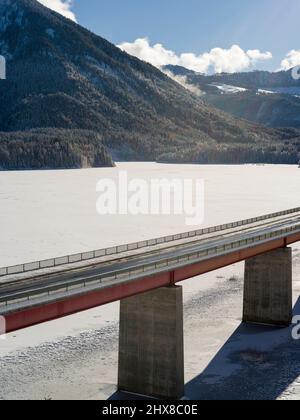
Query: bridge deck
(36, 296)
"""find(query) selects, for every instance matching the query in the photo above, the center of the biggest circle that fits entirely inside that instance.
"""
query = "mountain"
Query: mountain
(247, 80)
(271, 99)
(66, 85)
(272, 110)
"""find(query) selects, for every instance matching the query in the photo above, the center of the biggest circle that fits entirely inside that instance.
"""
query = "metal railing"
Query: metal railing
(53, 292)
(85, 256)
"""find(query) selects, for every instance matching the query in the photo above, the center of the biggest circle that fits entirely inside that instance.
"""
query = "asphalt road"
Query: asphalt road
(37, 283)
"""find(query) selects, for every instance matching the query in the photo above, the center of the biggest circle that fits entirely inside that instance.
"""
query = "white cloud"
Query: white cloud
(216, 61)
(291, 60)
(64, 7)
(257, 55)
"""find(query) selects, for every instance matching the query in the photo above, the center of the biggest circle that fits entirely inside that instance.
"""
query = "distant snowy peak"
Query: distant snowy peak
(249, 80)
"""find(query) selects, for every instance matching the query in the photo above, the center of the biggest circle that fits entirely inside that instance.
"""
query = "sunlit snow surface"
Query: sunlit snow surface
(228, 89)
(44, 214)
(294, 91)
(52, 213)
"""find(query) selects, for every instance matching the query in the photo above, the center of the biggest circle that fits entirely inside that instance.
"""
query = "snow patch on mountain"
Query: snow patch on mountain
(50, 32)
(294, 90)
(265, 92)
(228, 89)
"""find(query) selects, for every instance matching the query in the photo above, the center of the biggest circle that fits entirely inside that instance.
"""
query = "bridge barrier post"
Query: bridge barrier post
(151, 352)
(268, 288)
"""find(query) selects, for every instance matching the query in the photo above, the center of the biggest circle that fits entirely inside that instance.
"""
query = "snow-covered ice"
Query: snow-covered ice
(43, 214)
(48, 214)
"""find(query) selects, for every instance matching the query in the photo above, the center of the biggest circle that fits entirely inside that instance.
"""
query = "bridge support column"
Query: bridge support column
(268, 288)
(151, 354)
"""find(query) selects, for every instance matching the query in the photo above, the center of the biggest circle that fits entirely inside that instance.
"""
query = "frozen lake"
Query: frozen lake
(51, 213)
(46, 214)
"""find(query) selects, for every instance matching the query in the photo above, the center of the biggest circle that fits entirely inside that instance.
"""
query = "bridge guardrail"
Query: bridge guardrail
(126, 274)
(85, 256)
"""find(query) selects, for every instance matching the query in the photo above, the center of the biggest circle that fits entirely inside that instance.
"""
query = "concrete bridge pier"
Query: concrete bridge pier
(268, 288)
(151, 351)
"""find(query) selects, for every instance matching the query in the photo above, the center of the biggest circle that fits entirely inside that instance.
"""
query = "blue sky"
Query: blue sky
(197, 26)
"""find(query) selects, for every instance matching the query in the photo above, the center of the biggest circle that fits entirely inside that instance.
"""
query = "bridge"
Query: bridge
(144, 277)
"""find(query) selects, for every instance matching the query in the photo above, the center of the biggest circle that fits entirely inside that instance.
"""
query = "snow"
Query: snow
(228, 89)
(265, 92)
(50, 32)
(48, 213)
(76, 357)
(105, 68)
(294, 90)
